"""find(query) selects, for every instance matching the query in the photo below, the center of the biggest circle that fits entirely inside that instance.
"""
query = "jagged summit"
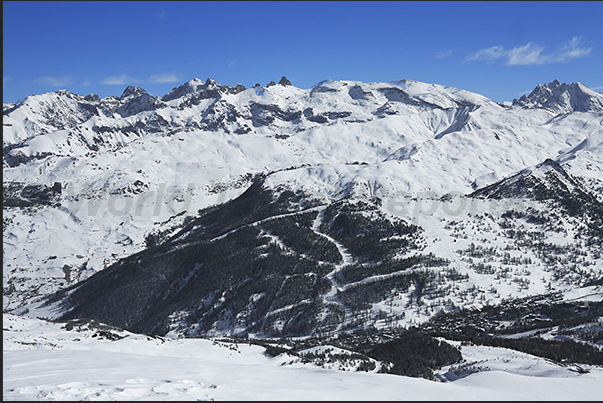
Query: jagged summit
(187, 88)
(562, 98)
(135, 100)
(276, 110)
(195, 90)
(283, 81)
(132, 91)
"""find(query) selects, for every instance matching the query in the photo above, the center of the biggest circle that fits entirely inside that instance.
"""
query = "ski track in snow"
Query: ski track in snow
(331, 296)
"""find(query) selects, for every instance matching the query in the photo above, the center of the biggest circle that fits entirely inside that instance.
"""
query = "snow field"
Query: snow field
(44, 362)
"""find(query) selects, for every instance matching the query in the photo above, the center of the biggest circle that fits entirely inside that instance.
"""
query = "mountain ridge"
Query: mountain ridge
(112, 122)
(562, 98)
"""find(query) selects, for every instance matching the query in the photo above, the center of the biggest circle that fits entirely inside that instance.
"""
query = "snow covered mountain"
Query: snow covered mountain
(562, 98)
(88, 123)
(279, 211)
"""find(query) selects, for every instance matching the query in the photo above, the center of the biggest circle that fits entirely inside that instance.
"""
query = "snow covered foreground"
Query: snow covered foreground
(45, 361)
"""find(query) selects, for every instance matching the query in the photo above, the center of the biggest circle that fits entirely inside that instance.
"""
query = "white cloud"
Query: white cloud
(5, 80)
(161, 14)
(124, 79)
(52, 81)
(571, 50)
(493, 53)
(120, 80)
(164, 78)
(87, 83)
(525, 55)
(442, 54)
(532, 54)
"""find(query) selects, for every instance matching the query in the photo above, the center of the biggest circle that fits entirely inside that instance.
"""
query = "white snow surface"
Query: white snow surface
(44, 361)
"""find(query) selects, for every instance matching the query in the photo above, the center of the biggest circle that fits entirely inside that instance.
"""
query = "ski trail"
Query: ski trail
(345, 254)
(183, 236)
(331, 296)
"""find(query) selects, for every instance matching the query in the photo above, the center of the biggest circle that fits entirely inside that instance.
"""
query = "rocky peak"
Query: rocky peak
(94, 98)
(193, 83)
(194, 90)
(132, 91)
(65, 93)
(236, 89)
(562, 98)
(188, 87)
(135, 100)
(284, 81)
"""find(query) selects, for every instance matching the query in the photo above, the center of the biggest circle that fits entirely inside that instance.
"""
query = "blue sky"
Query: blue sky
(498, 49)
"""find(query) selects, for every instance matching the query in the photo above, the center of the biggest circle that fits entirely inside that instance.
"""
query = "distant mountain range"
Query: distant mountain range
(278, 212)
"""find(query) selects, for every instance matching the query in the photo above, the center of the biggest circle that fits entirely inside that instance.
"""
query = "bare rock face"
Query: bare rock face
(135, 100)
(284, 81)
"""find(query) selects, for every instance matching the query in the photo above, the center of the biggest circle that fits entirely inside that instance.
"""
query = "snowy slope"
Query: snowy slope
(46, 361)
